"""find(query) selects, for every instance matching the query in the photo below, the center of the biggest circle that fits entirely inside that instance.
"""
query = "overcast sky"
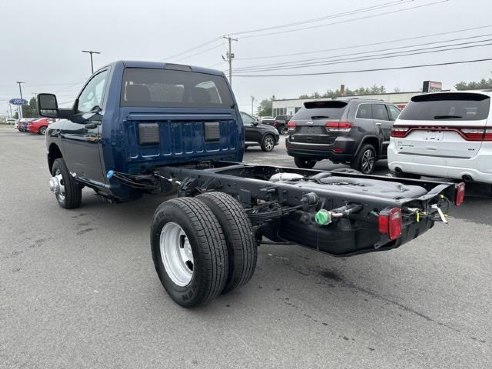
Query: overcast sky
(41, 42)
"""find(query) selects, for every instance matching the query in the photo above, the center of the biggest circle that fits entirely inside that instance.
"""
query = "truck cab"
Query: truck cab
(134, 117)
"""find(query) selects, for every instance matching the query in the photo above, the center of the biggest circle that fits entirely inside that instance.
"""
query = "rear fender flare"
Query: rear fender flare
(373, 140)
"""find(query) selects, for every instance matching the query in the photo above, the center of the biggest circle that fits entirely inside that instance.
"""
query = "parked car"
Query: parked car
(445, 134)
(258, 134)
(22, 124)
(38, 125)
(353, 131)
(280, 123)
(11, 121)
(267, 120)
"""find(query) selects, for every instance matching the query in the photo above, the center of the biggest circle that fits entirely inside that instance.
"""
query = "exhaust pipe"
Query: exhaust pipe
(467, 178)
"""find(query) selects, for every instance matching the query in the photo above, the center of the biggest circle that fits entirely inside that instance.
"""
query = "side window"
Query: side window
(247, 119)
(379, 112)
(92, 94)
(364, 111)
(393, 111)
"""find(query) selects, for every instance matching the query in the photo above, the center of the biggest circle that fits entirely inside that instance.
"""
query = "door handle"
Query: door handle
(378, 124)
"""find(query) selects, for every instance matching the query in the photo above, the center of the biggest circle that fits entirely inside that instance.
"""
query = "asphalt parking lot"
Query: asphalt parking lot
(78, 290)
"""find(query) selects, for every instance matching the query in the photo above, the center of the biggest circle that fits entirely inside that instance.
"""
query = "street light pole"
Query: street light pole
(252, 101)
(92, 62)
(20, 91)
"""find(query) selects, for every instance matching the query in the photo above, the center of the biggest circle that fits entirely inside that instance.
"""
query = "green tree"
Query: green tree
(30, 110)
(483, 84)
(265, 107)
(330, 94)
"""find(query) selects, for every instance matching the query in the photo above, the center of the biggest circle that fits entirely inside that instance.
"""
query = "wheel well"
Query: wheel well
(53, 154)
(374, 142)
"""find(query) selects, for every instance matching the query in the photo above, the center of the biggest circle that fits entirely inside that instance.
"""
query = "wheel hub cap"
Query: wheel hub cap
(176, 254)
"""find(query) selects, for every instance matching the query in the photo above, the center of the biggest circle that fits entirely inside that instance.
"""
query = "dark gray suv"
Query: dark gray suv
(353, 131)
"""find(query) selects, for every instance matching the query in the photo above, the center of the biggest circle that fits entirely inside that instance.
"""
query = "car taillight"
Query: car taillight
(477, 134)
(459, 194)
(291, 126)
(390, 223)
(338, 126)
(399, 132)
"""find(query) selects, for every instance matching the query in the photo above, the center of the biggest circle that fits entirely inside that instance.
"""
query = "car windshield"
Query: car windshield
(447, 106)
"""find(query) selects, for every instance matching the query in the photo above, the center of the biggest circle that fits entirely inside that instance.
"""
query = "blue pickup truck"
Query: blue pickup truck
(143, 127)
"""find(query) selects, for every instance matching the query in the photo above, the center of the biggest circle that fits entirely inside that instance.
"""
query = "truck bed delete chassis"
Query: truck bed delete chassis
(340, 213)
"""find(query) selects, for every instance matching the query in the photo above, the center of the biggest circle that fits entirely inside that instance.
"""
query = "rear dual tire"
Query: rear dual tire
(202, 247)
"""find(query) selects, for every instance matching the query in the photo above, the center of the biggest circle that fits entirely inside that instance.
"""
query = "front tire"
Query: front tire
(365, 161)
(189, 251)
(268, 143)
(241, 244)
(304, 163)
(69, 194)
(42, 130)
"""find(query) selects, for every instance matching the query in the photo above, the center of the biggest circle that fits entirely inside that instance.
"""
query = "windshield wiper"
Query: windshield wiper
(447, 117)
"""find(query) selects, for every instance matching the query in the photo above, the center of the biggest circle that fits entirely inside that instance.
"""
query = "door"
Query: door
(81, 136)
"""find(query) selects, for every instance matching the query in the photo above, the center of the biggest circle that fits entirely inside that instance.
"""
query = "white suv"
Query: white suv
(445, 134)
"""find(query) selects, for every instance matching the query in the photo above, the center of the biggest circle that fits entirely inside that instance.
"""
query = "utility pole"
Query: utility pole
(252, 101)
(92, 63)
(20, 90)
(229, 56)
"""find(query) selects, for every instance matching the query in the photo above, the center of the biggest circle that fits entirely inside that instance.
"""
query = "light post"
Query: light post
(92, 63)
(20, 91)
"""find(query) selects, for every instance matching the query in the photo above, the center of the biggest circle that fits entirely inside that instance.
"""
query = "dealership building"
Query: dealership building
(400, 99)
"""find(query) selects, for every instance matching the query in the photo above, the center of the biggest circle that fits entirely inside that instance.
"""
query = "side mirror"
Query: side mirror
(47, 105)
(255, 123)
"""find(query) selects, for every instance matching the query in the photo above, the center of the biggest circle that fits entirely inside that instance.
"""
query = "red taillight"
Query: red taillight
(390, 223)
(291, 126)
(338, 126)
(399, 132)
(477, 134)
(459, 194)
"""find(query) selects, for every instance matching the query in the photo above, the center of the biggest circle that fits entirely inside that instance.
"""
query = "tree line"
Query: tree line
(265, 107)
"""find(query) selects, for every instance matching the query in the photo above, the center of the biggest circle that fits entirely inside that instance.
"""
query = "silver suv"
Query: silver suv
(353, 131)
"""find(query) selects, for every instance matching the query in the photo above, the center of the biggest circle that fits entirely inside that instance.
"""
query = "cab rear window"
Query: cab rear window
(173, 88)
(321, 110)
(447, 106)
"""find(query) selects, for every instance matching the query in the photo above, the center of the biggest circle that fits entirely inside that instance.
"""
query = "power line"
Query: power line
(400, 2)
(348, 20)
(201, 52)
(314, 20)
(366, 56)
(368, 70)
(193, 48)
(370, 44)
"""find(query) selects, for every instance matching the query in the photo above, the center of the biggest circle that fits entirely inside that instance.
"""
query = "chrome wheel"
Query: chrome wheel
(367, 161)
(268, 143)
(57, 185)
(176, 254)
